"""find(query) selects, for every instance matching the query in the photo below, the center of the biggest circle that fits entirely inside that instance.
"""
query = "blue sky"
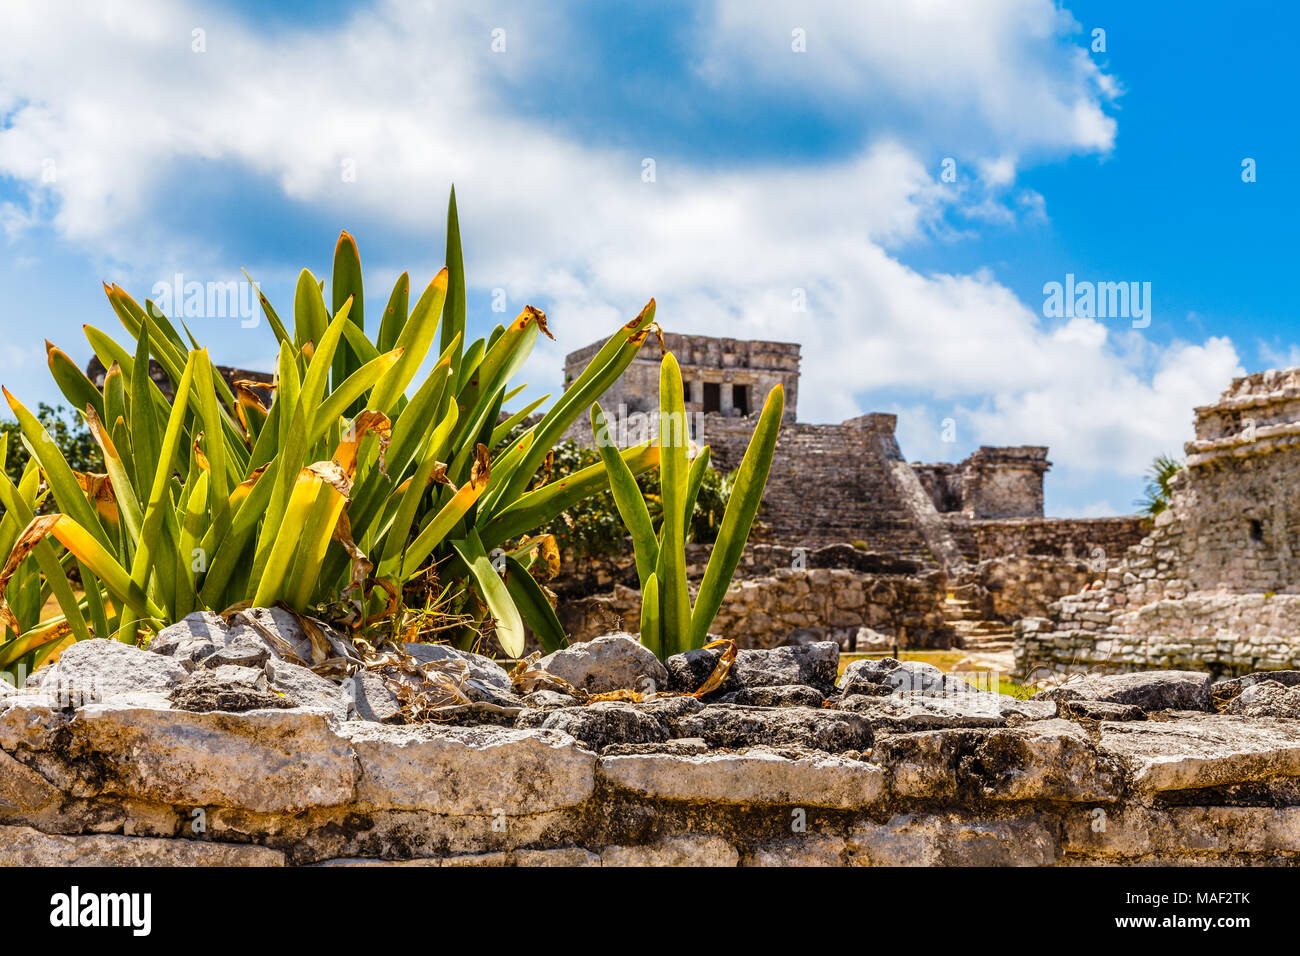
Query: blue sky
(127, 154)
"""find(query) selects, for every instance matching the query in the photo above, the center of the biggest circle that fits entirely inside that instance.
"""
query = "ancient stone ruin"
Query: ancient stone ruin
(856, 544)
(218, 745)
(1213, 585)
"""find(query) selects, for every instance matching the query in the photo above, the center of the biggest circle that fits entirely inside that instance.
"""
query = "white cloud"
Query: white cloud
(571, 225)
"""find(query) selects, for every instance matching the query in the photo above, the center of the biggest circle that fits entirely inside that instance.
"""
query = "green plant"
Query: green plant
(1160, 475)
(69, 433)
(593, 526)
(333, 497)
(669, 623)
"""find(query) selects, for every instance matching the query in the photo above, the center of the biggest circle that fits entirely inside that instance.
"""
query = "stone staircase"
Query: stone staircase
(975, 632)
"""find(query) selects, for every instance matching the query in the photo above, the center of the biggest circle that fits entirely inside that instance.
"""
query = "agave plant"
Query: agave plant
(669, 623)
(355, 478)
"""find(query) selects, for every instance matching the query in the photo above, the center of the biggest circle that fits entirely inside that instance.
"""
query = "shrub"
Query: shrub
(332, 498)
(669, 623)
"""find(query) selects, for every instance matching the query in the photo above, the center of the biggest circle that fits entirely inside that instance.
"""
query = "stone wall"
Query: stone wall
(825, 603)
(993, 482)
(1213, 583)
(915, 780)
(720, 375)
(1019, 586)
(1095, 540)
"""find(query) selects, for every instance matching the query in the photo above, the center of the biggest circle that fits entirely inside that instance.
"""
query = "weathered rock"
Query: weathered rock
(732, 726)
(613, 662)
(549, 700)
(1099, 710)
(22, 787)
(1225, 690)
(24, 846)
(1267, 699)
(307, 689)
(815, 665)
(1150, 690)
(483, 692)
(98, 669)
(675, 851)
(907, 711)
(238, 652)
(269, 761)
(781, 695)
(600, 724)
(1138, 831)
(677, 747)
(371, 698)
(757, 776)
(229, 688)
(1046, 760)
(948, 840)
(195, 637)
(808, 849)
(476, 666)
(867, 677)
(468, 770)
(1209, 751)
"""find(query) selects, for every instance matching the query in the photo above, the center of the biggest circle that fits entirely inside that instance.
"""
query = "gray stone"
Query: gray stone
(949, 840)
(732, 726)
(600, 724)
(867, 671)
(781, 695)
(98, 669)
(22, 787)
(1150, 690)
(468, 770)
(371, 698)
(24, 846)
(308, 689)
(238, 652)
(755, 777)
(549, 700)
(1267, 699)
(908, 711)
(267, 761)
(1213, 750)
(483, 692)
(1099, 710)
(1225, 690)
(228, 688)
(674, 851)
(815, 665)
(476, 666)
(193, 638)
(613, 662)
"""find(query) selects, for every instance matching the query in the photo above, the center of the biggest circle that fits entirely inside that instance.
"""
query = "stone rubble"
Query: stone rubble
(928, 772)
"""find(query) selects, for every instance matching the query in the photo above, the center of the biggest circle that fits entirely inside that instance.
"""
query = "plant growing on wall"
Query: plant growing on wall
(333, 496)
(1160, 475)
(669, 622)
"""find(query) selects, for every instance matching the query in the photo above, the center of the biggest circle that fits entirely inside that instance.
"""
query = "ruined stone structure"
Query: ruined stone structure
(887, 764)
(991, 483)
(977, 523)
(1216, 582)
(729, 377)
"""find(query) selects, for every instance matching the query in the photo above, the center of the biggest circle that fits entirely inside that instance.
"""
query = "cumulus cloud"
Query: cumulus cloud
(574, 227)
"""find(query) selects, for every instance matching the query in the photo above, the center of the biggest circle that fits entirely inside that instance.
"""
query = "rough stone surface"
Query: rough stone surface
(476, 666)
(98, 669)
(613, 662)
(1149, 690)
(600, 724)
(24, 846)
(676, 851)
(948, 840)
(307, 689)
(1267, 699)
(779, 695)
(1209, 751)
(731, 726)
(371, 698)
(228, 687)
(469, 770)
(755, 777)
(922, 711)
(815, 665)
